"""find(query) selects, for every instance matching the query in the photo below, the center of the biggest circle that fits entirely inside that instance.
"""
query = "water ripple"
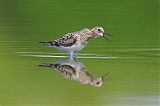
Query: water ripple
(63, 55)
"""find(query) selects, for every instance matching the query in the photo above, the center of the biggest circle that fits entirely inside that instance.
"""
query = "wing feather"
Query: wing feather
(67, 71)
(68, 40)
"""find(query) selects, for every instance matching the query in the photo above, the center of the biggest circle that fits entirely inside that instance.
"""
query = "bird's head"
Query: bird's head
(99, 32)
(98, 81)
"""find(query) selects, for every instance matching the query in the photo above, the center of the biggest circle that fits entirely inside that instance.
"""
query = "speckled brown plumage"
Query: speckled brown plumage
(75, 70)
(75, 41)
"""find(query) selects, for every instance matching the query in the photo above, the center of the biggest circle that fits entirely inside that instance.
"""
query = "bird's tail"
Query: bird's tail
(44, 65)
(50, 65)
(50, 43)
(42, 42)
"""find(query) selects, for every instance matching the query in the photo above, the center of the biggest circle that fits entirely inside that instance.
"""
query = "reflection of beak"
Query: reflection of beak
(104, 76)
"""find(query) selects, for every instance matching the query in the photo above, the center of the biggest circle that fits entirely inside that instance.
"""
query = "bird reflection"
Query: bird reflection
(73, 69)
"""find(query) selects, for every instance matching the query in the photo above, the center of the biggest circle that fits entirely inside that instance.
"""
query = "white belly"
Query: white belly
(72, 48)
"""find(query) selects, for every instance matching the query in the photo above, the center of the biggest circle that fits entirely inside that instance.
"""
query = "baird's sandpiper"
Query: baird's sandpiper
(76, 41)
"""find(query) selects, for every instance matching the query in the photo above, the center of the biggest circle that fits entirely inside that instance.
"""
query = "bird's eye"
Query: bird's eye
(98, 83)
(99, 30)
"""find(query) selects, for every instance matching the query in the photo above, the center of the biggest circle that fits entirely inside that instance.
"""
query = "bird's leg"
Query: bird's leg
(75, 53)
(72, 54)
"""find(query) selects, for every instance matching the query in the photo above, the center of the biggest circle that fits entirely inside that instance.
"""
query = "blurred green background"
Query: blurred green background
(134, 75)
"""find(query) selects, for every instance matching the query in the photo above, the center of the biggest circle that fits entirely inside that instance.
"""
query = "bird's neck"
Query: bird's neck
(87, 38)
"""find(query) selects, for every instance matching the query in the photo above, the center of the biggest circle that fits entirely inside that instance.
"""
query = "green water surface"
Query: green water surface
(134, 72)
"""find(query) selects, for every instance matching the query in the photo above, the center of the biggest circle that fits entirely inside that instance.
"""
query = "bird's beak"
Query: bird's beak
(106, 34)
(109, 34)
(105, 76)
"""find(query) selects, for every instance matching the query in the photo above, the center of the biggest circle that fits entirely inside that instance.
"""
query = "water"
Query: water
(131, 56)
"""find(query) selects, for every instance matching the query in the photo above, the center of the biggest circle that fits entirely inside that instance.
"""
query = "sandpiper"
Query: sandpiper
(75, 70)
(76, 41)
